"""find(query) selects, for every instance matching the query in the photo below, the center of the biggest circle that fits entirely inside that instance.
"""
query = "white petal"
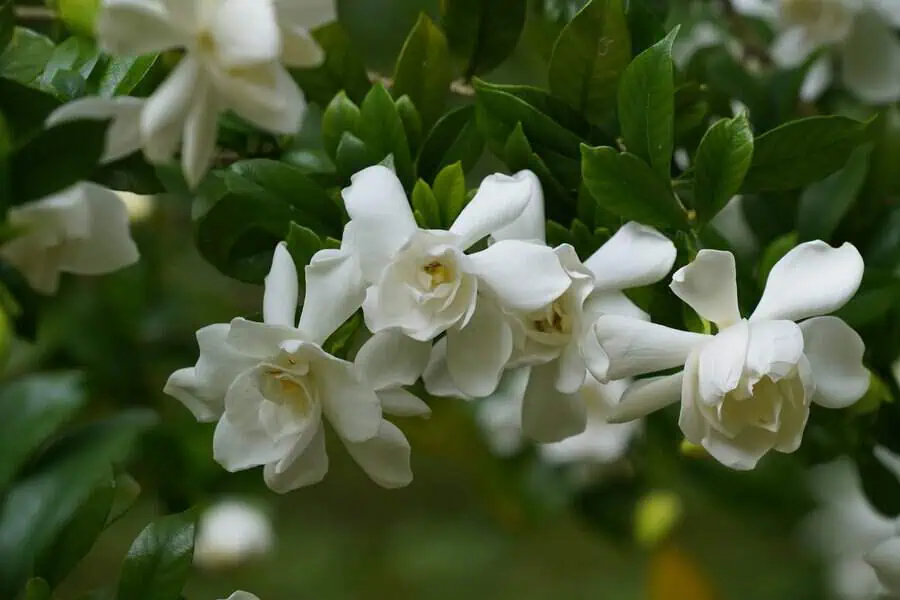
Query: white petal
(817, 80)
(299, 48)
(109, 246)
(636, 347)
(774, 348)
(531, 224)
(648, 395)
(691, 422)
(351, 405)
(888, 460)
(873, 81)
(134, 27)
(548, 415)
(709, 286)
(378, 205)
(812, 279)
(281, 289)
(613, 303)
(636, 255)
(400, 403)
(308, 13)
(267, 97)
(835, 355)
(200, 129)
(241, 595)
(572, 370)
(742, 452)
(385, 457)
(167, 109)
(722, 362)
(477, 353)
(437, 375)
(760, 9)
(305, 467)
(246, 33)
(123, 137)
(259, 340)
(184, 386)
(885, 559)
(888, 9)
(334, 291)
(520, 275)
(389, 359)
(242, 447)
(792, 47)
(500, 200)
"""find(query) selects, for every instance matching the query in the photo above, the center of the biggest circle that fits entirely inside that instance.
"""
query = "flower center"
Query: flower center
(554, 319)
(288, 389)
(438, 273)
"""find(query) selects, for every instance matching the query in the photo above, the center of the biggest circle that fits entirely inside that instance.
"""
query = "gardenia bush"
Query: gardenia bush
(536, 253)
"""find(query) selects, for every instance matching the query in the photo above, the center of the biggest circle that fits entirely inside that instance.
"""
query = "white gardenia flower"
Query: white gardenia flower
(235, 51)
(232, 532)
(271, 386)
(422, 283)
(555, 341)
(83, 230)
(862, 32)
(859, 544)
(747, 389)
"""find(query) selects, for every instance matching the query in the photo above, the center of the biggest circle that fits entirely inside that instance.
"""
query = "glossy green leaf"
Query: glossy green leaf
(31, 410)
(353, 155)
(73, 149)
(425, 206)
(381, 129)
(589, 57)
(722, 160)
(302, 243)
(25, 109)
(159, 560)
(341, 116)
(39, 506)
(824, 204)
(412, 123)
(626, 186)
(481, 35)
(517, 153)
(68, 85)
(342, 69)
(645, 24)
(455, 137)
(450, 191)
(423, 71)
(647, 105)
(123, 75)
(800, 152)
(76, 53)
(78, 536)
(24, 58)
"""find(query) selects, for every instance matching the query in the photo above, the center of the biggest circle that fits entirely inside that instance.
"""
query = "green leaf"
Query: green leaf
(825, 203)
(24, 58)
(159, 560)
(73, 149)
(122, 75)
(803, 151)
(31, 410)
(423, 70)
(589, 57)
(518, 155)
(38, 589)
(127, 491)
(342, 69)
(425, 206)
(722, 160)
(7, 23)
(454, 138)
(353, 155)
(302, 243)
(381, 129)
(412, 123)
(40, 505)
(647, 105)
(645, 25)
(78, 536)
(341, 116)
(450, 192)
(24, 108)
(68, 85)
(76, 53)
(481, 35)
(626, 186)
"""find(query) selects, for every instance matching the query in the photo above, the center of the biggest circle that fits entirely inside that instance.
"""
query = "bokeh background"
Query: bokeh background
(471, 525)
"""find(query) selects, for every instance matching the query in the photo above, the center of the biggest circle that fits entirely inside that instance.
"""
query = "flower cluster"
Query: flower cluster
(487, 301)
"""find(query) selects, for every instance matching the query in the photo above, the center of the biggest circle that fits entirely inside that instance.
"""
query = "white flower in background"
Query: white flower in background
(862, 32)
(555, 341)
(232, 532)
(271, 386)
(747, 389)
(82, 230)
(240, 595)
(859, 544)
(235, 51)
(703, 35)
(421, 282)
(123, 136)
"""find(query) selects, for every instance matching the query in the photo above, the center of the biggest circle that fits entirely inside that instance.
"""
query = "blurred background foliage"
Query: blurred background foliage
(470, 525)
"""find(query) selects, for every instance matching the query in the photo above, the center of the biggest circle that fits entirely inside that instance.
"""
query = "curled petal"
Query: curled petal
(400, 403)
(385, 457)
(520, 275)
(547, 414)
(307, 465)
(166, 110)
(281, 289)
(246, 33)
(135, 27)
(334, 291)
(500, 200)
(477, 353)
(531, 225)
(835, 354)
(350, 404)
(124, 134)
(390, 359)
(646, 396)
(709, 286)
(636, 255)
